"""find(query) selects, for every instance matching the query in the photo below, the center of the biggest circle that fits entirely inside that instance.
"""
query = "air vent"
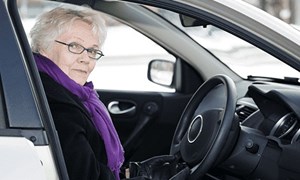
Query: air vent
(244, 111)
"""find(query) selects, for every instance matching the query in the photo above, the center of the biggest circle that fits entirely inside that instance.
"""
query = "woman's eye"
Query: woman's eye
(94, 52)
(75, 46)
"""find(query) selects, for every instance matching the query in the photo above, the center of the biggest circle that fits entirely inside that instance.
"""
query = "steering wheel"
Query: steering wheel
(208, 127)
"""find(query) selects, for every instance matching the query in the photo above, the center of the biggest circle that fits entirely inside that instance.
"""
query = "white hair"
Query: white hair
(57, 21)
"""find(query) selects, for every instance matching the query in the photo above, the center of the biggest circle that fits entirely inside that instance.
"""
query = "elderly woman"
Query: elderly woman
(66, 45)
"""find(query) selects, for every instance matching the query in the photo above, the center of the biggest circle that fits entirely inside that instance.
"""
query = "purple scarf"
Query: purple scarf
(97, 110)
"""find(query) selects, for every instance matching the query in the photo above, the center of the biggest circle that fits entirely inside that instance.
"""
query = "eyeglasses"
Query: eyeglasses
(76, 48)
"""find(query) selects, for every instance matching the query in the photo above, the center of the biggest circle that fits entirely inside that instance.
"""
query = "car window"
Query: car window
(127, 53)
(240, 56)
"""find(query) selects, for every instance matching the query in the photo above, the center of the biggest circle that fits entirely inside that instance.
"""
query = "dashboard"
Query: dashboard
(269, 142)
(272, 108)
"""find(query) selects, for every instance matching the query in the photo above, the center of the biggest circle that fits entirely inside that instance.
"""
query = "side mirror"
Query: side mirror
(161, 72)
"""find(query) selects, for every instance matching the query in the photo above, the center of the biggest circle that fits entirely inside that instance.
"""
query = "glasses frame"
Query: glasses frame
(83, 49)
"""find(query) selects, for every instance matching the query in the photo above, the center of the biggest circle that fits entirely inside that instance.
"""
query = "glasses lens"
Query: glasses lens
(76, 48)
(95, 53)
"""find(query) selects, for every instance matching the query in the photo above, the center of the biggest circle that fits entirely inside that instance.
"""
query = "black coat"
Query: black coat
(82, 146)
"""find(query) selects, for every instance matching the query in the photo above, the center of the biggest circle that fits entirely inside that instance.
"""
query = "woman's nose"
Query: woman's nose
(84, 57)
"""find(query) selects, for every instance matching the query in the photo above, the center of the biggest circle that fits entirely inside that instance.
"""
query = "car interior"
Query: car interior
(219, 124)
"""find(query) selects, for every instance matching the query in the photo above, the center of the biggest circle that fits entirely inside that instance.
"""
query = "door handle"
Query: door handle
(114, 108)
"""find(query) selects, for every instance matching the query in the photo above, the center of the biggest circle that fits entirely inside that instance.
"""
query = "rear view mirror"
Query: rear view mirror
(161, 72)
(187, 21)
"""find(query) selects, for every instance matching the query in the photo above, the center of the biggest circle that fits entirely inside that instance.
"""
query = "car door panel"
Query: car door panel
(149, 128)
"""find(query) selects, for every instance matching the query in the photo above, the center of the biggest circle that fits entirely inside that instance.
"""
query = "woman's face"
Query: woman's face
(77, 66)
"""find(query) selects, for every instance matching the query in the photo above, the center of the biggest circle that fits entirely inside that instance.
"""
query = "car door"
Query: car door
(29, 146)
(145, 114)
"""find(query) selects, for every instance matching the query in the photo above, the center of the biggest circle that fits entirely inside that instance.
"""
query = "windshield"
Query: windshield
(240, 56)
